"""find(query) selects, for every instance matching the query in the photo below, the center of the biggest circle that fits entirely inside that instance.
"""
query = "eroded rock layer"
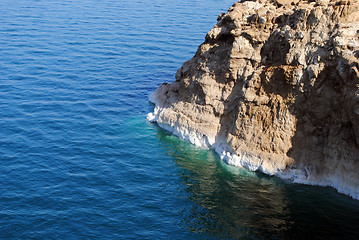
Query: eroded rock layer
(275, 88)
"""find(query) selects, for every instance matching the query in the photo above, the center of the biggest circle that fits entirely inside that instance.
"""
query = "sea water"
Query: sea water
(78, 160)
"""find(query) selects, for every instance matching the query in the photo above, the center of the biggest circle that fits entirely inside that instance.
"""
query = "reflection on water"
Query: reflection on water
(228, 202)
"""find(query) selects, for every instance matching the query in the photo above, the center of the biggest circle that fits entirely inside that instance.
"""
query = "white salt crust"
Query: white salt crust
(251, 162)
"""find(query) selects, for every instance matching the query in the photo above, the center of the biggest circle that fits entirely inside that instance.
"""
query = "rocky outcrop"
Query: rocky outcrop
(274, 88)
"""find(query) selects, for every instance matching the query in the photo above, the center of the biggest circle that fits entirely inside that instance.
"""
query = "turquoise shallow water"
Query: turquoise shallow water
(78, 159)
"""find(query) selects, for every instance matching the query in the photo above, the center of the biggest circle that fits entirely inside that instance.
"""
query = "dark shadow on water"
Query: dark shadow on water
(231, 203)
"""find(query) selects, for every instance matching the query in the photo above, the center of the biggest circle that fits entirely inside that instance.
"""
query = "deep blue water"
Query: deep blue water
(78, 160)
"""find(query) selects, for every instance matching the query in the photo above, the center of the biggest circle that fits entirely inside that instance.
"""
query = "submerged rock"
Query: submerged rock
(274, 88)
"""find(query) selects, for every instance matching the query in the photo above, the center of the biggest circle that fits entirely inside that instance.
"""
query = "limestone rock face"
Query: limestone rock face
(274, 88)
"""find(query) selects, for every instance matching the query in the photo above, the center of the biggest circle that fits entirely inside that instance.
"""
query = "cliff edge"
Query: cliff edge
(274, 88)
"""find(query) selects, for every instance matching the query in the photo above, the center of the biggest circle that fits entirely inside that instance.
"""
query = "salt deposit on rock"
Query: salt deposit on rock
(275, 88)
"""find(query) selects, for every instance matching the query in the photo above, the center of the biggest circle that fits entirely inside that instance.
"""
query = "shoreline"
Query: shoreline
(247, 161)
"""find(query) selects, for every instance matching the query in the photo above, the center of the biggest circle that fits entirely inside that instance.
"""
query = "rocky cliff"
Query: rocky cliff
(274, 88)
